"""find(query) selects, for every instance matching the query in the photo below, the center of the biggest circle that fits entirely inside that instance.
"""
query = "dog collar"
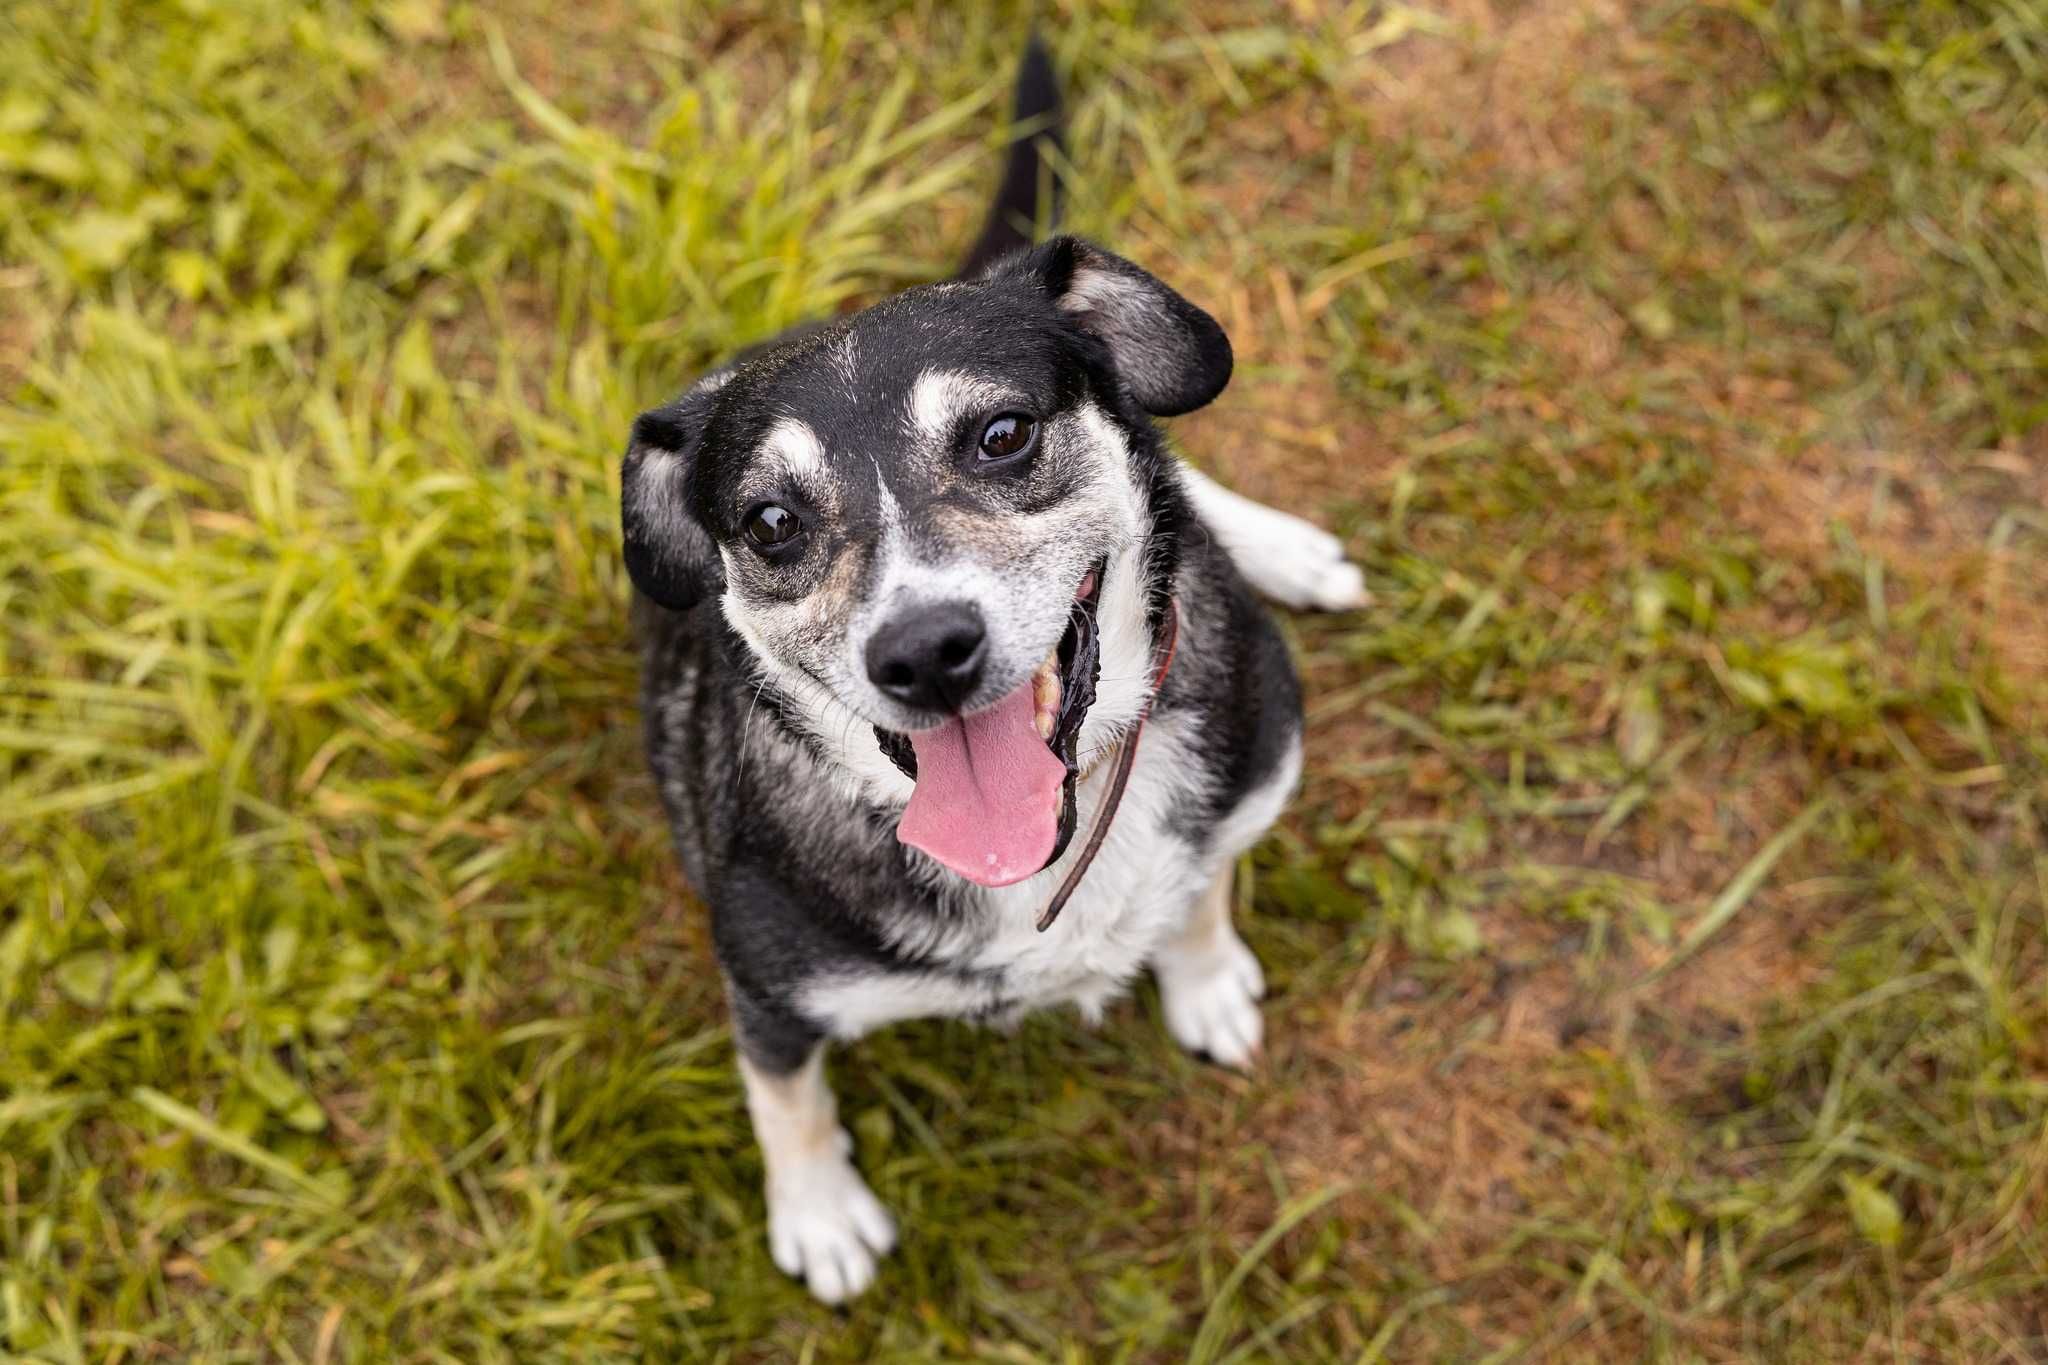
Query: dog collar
(1120, 777)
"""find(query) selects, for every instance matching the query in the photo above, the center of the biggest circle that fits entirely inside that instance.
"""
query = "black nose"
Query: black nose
(929, 657)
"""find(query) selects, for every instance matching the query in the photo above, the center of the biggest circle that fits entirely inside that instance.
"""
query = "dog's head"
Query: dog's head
(929, 523)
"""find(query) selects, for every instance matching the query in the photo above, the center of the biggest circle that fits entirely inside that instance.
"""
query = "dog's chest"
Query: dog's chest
(996, 965)
(1136, 896)
(1133, 896)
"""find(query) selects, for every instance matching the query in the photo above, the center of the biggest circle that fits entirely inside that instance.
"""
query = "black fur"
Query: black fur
(1170, 355)
(669, 555)
(803, 875)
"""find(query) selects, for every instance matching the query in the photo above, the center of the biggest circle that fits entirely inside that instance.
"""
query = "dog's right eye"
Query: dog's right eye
(772, 527)
(1008, 438)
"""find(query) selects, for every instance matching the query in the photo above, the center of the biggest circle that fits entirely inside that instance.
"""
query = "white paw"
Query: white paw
(1294, 562)
(1333, 585)
(826, 1228)
(1211, 1001)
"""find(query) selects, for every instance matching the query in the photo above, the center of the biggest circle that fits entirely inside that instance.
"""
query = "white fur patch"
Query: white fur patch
(885, 498)
(1093, 288)
(847, 737)
(1209, 982)
(795, 447)
(825, 1225)
(658, 496)
(857, 1003)
(939, 399)
(1261, 806)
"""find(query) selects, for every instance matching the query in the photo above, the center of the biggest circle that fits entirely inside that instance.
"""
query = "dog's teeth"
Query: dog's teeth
(1045, 698)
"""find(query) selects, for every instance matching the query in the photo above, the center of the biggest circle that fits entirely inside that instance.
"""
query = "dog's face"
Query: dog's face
(928, 519)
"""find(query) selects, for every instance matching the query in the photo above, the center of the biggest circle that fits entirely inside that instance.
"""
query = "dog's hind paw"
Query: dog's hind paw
(826, 1228)
(1211, 1001)
(1296, 563)
(1326, 585)
(1287, 560)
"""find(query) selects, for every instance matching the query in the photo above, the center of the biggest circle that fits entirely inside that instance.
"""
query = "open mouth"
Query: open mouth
(994, 799)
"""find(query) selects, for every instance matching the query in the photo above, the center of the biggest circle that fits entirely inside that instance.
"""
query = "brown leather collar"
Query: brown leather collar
(1119, 778)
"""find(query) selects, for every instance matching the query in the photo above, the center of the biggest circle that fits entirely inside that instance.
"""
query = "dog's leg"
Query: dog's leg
(824, 1225)
(1209, 982)
(1289, 560)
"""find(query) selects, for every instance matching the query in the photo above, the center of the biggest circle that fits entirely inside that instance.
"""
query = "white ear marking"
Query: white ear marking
(656, 496)
(1092, 288)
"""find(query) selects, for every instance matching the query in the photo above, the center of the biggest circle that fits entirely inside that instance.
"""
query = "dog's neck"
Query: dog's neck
(1127, 754)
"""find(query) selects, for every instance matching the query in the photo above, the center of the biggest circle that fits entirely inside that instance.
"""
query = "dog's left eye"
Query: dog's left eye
(1008, 437)
(771, 527)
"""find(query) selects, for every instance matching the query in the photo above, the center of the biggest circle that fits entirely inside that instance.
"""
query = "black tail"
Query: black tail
(1035, 117)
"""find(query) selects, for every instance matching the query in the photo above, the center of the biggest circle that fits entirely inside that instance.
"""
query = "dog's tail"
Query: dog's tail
(1035, 124)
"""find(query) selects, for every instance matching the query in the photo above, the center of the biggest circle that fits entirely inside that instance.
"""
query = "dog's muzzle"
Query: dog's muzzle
(984, 805)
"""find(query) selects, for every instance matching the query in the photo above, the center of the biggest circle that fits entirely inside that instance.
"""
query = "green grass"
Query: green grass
(1658, 943)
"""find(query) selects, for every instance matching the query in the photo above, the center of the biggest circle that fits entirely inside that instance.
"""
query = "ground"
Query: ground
(1657, 945)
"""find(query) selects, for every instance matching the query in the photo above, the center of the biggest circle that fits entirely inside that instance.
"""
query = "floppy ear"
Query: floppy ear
(669, 554)
(1171, 356)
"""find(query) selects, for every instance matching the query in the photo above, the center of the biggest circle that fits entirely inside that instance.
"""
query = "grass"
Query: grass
(1659, 940)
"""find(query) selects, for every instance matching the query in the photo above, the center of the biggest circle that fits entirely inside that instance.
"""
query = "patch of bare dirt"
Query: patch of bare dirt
(1458, 1106)
(592, 59)
(1500, 75)
(1964, 526)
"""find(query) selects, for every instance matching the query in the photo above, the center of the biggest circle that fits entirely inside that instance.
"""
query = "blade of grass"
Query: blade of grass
(1738, 891)
(1210, 1336)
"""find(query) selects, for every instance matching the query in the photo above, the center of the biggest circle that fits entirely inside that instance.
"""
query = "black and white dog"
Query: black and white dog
(912, 581)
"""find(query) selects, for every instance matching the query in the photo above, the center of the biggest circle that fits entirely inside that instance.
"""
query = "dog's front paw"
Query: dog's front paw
(826, 1228)
(1211, 1001)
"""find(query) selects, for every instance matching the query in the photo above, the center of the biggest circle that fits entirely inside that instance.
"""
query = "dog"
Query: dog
(921, 594)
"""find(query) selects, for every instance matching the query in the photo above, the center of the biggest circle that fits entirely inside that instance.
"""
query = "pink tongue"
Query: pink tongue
(987, 800)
